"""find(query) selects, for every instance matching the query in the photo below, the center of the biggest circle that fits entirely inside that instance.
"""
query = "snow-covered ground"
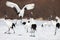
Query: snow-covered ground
(42, 33)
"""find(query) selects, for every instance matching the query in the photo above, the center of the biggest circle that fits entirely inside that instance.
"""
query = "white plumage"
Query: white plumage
(58, 19)
(30, 6)
(12, 5)
(21, 13)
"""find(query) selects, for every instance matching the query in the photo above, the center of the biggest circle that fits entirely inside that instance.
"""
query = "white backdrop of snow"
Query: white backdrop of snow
(42, 33)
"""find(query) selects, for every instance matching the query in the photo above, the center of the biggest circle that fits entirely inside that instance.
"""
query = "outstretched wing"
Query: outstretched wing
(26, 7)
(13, 5)
(29, 6)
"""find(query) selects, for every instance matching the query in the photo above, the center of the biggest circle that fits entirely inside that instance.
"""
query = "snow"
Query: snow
(42, 33)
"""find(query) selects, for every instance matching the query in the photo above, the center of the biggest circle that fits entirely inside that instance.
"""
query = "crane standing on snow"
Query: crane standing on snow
(20, 12)
(10, 23)
(57, 24)
(32, 25)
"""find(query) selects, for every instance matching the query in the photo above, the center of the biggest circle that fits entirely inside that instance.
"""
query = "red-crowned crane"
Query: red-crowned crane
(57, 24)
(10, 24)
(30, 23)
(20, 12)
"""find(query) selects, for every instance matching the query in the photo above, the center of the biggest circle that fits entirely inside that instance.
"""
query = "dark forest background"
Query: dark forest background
(43, 8)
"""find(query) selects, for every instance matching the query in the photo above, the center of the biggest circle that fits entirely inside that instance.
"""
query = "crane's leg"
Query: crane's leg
(13, 31)
(27, 29)
(7, 31)
(55, 30)
(32, 33)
